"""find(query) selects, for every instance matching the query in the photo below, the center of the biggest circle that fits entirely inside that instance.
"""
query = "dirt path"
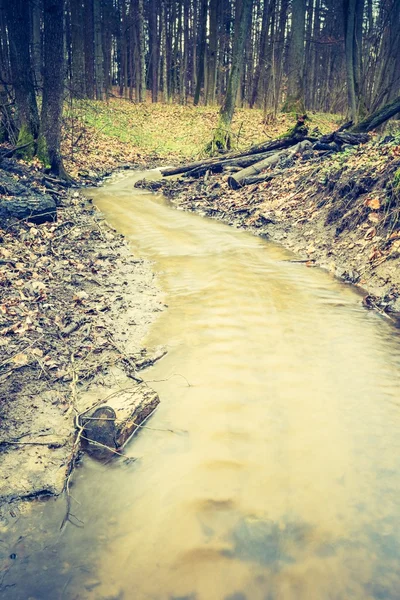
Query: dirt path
(71, 292)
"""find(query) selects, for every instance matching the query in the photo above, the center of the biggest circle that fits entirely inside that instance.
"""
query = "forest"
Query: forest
(199, 299)
(277, 55)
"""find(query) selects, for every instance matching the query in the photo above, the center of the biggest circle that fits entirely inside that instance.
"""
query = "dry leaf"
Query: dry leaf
(37, 352)
(373, 203)
(20, 359)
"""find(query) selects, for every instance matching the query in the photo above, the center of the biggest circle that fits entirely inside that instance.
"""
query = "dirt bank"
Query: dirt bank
(340, 211)
(75, 305)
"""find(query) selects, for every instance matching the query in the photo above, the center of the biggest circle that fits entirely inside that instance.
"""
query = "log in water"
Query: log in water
(280, 478)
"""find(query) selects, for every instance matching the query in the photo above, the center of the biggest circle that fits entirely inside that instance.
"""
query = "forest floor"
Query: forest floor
(71, 288)
(74, 308)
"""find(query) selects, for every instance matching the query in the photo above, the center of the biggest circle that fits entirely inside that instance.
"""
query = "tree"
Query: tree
(353, 11)
(27, 115)
(53, 87)
(213, 53)
(98, 51)
(202, 51)
(222, 136)
(78, 49)
(295, 93)
(379, 117)
(89, 48)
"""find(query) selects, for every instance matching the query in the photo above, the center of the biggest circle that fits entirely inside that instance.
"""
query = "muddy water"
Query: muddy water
(281, 478)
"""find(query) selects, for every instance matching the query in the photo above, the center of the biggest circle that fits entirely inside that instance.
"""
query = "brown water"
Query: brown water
(282, 479)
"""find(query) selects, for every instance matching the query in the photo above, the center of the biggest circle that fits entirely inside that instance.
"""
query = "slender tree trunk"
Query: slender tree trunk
(154, 49)
(19, 37)
(107, 44)
(89, 48)
(295, 94)
(202, 51)
(222, 138)
(141, 51)
(185, 57)
(379, 117)
(53, 86)
(37, 41)
(98, 51)
(78, 49)
(164, 52)
(213, 53)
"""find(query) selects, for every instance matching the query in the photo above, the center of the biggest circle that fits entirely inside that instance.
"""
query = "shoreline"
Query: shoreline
(345, 234)
(73, 291)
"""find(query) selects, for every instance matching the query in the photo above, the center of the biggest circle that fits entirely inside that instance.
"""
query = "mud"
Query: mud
(75, 305)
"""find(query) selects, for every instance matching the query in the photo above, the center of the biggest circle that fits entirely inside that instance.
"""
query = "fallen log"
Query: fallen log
(34, 208)
(344, 137)
(378, 117)
(241, 162)
(213, 163)
(108, 427)
(238, 180)
(261, 177)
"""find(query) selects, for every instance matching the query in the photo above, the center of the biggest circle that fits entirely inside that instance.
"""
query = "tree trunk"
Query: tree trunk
(27, 114)
(37, 42)
(89, 48)
(53, 86)
(213, 52)
(154, 49)
(98, 51)
(380, 116)
(142, 52)
(107, 44)
(353, 14)
(222, 137)
(202, 51)
(295, 94)
(78, 49)
(164, 52)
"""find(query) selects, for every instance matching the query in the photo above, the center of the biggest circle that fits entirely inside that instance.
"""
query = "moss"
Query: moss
(396, 180)
(222, 141)
(42, 152)
(25, 139)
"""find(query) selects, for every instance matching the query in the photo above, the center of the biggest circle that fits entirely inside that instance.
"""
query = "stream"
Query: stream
(281, 477)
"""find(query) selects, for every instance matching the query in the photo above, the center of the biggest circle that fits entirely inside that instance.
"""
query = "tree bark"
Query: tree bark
(78, 49)
(27, 120)
(98, 51)
(89, 48)
(53, 87)
(142, 52)
(213, 53)
(295, 95)
(379, 117)
(222, 137)
(202, 51)
(154, 49)
(238, 180)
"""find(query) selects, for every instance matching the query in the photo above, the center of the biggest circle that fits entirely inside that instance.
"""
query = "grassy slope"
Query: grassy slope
(100, 135)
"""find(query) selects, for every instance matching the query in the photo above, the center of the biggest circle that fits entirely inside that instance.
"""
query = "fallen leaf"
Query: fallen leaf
(20, 359)
(373, 203)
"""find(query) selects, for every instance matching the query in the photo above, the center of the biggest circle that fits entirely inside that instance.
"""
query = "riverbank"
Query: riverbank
(71, 293)
(340, 212)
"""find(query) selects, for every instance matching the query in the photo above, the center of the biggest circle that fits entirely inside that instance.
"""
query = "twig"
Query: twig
(168, 378)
